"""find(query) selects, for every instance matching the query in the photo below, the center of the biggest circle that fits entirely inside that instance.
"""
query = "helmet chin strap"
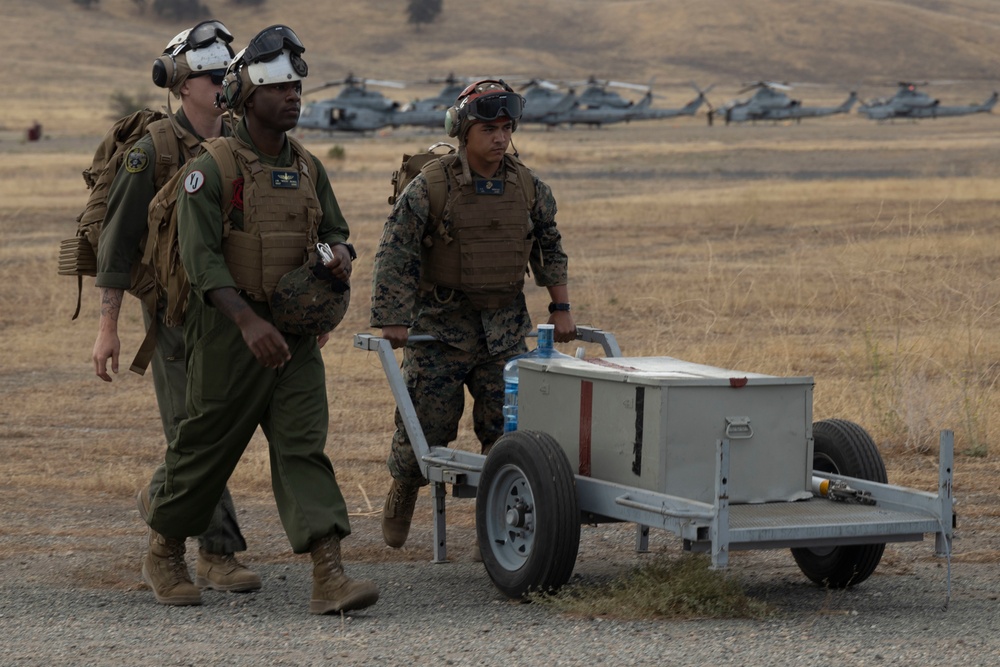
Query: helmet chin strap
(463, 157)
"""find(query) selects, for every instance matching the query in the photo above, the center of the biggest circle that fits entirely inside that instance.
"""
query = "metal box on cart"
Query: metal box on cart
(652, 423)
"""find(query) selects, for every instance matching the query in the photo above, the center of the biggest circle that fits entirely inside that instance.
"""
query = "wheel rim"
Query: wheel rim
(510, 517)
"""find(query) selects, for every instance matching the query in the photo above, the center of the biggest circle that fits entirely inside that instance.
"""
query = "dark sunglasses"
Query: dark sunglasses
(207, 32)
(270, 42)
(492, 106)
(217, 75)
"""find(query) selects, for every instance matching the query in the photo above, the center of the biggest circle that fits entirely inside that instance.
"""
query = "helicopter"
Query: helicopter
(355, 109)
(770, 102)
(908, 102)
(545, 102)
(599, 106)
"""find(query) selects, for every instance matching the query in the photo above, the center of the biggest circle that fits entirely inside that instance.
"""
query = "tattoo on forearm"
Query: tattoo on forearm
(111, 302)
(228, 301)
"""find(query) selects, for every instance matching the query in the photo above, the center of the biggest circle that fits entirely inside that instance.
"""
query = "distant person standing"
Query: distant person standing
(246, 366)
(34, 132)
(191, 68)
(460, 279)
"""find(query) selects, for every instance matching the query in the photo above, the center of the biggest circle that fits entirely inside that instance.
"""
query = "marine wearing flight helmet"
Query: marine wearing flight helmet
(246, 372)
(461, 280)
(191, 68)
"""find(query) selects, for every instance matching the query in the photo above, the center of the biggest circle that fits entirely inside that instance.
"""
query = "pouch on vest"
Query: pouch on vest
(309, 300)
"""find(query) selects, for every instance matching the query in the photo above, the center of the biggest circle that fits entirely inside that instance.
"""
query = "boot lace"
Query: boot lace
(175, 562)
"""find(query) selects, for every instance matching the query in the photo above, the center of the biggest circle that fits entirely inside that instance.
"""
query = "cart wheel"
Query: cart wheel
(527, 514)
(845, 448)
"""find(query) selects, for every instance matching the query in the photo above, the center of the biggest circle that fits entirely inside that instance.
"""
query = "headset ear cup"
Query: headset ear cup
(451, 122)
(164, 71)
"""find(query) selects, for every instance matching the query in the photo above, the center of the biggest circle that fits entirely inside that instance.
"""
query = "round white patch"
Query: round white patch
(194, 181)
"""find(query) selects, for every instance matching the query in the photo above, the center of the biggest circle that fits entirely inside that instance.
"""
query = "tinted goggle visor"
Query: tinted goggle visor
(270, 42)
(207, 32)
(217, 75)
(494, 105)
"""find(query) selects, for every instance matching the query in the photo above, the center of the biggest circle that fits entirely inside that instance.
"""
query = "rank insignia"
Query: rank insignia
(137, 160)
(284, 179)
(489, 186)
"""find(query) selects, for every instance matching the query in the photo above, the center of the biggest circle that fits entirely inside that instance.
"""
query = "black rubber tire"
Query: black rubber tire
(527, 514)
(844, 448)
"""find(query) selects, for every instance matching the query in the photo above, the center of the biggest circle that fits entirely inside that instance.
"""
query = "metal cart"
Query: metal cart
(724, 459)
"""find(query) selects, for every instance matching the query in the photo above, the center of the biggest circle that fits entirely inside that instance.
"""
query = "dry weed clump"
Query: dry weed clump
(684, 588)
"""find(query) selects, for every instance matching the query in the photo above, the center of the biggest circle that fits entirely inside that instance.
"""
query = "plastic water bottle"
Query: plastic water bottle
(510, 395)
(546, 340)
(545, 350)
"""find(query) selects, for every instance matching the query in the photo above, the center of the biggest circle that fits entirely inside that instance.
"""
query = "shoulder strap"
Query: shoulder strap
(437, 188)
(526, 179)
(223, 151)
(173, 145)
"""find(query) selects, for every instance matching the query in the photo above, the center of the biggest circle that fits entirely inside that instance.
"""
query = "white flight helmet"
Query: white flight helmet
(202, 49)
(274, 55)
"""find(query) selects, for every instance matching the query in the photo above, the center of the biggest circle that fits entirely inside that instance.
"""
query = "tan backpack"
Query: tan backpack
(78, 255)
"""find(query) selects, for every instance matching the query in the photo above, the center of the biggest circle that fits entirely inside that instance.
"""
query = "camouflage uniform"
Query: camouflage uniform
(472, 345)
(230, 393)
(120, 247)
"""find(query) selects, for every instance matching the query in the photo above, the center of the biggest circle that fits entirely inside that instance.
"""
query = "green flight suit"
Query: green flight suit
(124, 228)
(229, 393)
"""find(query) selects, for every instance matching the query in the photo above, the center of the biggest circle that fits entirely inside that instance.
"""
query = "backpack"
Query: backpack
(78, 255)
(437, 180)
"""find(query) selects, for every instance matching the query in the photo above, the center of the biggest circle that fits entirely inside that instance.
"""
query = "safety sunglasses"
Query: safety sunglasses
(207, 32)
(217, 75)
(270, 42)
(492, 106)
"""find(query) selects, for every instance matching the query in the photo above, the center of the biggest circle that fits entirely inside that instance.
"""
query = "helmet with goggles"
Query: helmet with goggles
(274, 55)
(483, 101)
(201, 50)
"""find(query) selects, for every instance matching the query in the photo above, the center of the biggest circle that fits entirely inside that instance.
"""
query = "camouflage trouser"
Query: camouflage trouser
(436, 375)
(223, 535)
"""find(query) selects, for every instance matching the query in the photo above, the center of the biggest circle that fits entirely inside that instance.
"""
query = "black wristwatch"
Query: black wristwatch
(553, 307)
(350, 249)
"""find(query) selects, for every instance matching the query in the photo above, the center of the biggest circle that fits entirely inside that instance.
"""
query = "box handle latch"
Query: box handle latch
(738, 428)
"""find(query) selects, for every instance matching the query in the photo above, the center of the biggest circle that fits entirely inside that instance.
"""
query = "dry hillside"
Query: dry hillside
(839, 43)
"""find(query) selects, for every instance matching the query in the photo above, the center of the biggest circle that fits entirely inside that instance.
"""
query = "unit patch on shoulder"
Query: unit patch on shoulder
(137, 160)
(194, 181)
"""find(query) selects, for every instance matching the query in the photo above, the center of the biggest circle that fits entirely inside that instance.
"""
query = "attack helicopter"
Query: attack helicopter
(770, 102)
(356, 108)
(360, 109)
(545, 102)
(908, 102)
(597, 105)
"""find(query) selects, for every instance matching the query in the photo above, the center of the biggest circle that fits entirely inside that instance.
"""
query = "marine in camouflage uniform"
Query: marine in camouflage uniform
(472, 343)
(120, 249)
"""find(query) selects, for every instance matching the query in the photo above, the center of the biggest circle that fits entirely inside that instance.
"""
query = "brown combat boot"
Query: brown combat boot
(166, 573)
(332, 590)
(222, 572)
(398, 512)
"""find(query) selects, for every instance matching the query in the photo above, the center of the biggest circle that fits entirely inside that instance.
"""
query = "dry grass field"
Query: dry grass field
(864, 255)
